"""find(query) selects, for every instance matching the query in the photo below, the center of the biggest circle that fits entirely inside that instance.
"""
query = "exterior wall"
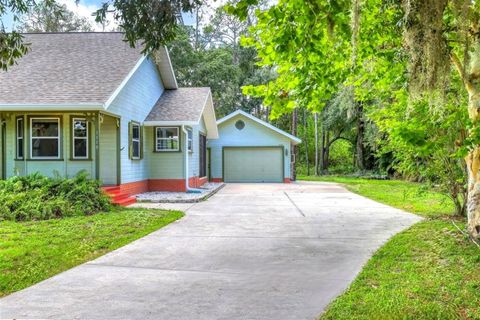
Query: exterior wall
(134, 103)
(163, 165)
(194, 157)
(253, 134)
(65, 166)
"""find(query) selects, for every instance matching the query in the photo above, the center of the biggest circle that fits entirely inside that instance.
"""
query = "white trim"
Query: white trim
(133, 124)
(58, 137)
(189, 139)
(86, 138)
(157, 138)
(268, 125)
(17, 138)
(124, 82)
(171, 67)
(212, 127)
(169, 123)
(50, 107)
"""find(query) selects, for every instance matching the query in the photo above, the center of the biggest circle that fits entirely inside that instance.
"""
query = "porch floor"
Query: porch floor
(207, 190)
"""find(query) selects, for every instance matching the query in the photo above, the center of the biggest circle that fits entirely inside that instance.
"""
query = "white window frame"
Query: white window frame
(134, 124)
(58, 137)
(80, 138)
(190, 139)
(157, 139)
(18, 138)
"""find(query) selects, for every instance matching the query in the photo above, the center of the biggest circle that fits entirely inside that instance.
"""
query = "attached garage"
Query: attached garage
(250, 150)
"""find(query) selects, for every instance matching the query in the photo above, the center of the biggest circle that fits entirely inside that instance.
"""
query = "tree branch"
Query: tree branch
(461, 71)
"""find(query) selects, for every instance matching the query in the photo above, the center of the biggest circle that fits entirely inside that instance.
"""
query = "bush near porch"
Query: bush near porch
(429, 271)
(36, 197)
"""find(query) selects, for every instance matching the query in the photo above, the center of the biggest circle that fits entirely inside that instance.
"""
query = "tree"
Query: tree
(440, 34)
(46, 18)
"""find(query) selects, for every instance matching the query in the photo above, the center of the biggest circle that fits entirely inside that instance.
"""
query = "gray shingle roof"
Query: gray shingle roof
(182, 104)
(68, 68)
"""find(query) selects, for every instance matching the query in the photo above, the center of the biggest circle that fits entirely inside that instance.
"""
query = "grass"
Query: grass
(36, 250)
(408, 196)
(429, 271)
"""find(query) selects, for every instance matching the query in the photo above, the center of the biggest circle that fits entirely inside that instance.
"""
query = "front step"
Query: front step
(118, 197)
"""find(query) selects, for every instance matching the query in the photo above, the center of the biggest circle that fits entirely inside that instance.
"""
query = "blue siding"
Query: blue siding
(133, 103)
(253, 134)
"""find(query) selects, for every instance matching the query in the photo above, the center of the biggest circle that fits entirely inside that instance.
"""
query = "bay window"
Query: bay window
(45, 138)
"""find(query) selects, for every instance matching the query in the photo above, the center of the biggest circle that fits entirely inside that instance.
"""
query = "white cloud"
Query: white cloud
(87, 11)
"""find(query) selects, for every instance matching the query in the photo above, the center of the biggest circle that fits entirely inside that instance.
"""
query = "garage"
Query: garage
(250, 150)
(248, 164)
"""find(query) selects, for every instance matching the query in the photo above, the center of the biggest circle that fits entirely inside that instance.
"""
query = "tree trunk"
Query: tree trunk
(360, 163)
(322, 152)
(305, 135)
(327, 152)
(294, 148)
(472, 160)
(315, 120)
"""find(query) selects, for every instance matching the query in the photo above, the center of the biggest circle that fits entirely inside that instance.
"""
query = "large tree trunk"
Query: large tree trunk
(360, 163)
(472, 160)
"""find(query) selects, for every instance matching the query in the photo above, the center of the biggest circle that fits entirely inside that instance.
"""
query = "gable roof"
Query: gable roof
(66, 69)
(294, 139)
(184, 106)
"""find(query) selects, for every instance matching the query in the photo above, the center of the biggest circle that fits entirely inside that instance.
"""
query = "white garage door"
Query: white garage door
(253, 164)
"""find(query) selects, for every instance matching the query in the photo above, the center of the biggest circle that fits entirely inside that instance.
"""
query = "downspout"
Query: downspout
(187, 187)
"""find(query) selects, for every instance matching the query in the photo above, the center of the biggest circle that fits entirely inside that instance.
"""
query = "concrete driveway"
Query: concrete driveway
(253, 251)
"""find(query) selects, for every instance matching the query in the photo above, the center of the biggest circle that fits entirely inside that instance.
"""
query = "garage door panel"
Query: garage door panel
(253, 164)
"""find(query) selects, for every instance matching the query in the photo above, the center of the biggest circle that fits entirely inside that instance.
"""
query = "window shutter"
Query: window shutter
(141, 141)
(130, 144)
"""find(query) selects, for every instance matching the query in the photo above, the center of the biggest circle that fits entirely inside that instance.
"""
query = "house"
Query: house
(250, 150)
(88, 102)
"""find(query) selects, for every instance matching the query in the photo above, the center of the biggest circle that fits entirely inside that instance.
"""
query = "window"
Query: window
(20, 140)
(80, 138)
(45, 138)
(135, 141)
(190, 139)
(203, 155)
(167, 139)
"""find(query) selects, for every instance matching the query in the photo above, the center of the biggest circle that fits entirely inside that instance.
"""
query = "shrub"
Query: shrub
(36, 197)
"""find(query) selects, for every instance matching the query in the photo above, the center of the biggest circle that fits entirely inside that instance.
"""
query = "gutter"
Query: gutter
(187, 187)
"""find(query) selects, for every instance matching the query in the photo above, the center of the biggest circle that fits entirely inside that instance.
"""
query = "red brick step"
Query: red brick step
(118, 197)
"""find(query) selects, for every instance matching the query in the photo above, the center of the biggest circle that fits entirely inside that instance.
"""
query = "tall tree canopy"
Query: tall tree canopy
(57, 18)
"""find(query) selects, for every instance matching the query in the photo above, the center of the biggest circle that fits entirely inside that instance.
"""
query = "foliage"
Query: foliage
(36, 250)
(212, 57)
(429, 271)
(44, 18)
(153, 23)
(35, 197)
(424, 142)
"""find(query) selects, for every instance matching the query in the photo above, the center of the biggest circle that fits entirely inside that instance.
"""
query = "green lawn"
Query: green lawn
(430, 271)
(36, 250)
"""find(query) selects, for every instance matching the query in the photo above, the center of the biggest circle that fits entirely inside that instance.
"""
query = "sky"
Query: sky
(85, 8)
